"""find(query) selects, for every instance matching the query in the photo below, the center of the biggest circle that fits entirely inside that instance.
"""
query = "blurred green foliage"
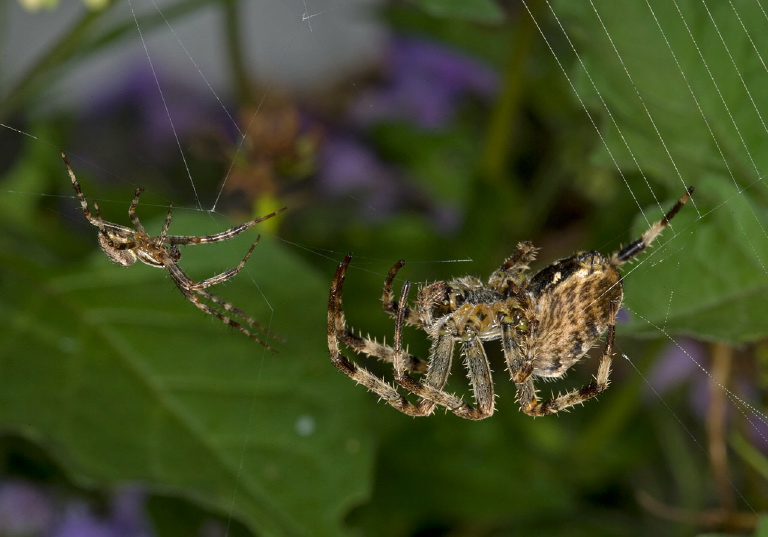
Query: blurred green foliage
(117, 378)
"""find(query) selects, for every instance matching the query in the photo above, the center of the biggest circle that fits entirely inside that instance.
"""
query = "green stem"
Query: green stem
(501, 129)
(234, 43)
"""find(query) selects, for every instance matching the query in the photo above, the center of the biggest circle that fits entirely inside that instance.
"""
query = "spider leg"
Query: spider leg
(439, 365)
(337, 326)
(388, 301)
(99, 221)
(81, 197)
(519, 362)
(574, 397)
(637, 246)
(391, 306)
(481, 379)
(135, 219)
(224, 235)
(104, 227)
(366, 346)
(193, 295)
(237, 312)
(242, 315)
(526, 392)
(430, 389)
(224, 276)
(524, 254)
(512, 271)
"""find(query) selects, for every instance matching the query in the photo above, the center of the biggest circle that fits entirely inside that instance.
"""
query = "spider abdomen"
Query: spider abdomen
(111, 246)
(574, 303)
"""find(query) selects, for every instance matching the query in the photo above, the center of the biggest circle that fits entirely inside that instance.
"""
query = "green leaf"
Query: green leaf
(125, 380)
(683, 285)
(482, 11)
(685, 96)
(705, 278)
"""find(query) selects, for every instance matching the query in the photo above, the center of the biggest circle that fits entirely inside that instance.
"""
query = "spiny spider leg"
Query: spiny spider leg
(389, 303)
(135, 219)
(224, 235)
(431, 389)
(192, 296)
(226, 275)
(532, 407)
(83, 203)
(337, 327)
(437, 375)
(371, 347)
(637, 246)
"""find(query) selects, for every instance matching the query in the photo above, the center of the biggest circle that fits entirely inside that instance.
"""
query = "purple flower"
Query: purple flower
(425, 82)
(347, 167)
(145, 136)
(677, 364)
(24, 509)
(137, 94)
(125, 518)
(79, 521)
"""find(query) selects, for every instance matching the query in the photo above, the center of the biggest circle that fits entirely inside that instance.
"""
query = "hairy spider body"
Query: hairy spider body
(574, 300)
(125, 246)
(546, 323)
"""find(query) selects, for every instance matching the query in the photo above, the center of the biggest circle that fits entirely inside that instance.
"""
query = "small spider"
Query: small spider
(546, 323)
(125, 245)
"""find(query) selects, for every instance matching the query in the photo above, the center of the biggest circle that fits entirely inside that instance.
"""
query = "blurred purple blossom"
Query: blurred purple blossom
(24, 509)
(682, 363)
(424, 83)
(128, 122)
(125, 518)
(80, 522)
(29, 510)
(685, 362)
(136, 94)
(348, 167)
(678, 363)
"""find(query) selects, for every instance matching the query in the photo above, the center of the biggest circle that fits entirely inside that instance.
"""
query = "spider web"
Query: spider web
(673, 93)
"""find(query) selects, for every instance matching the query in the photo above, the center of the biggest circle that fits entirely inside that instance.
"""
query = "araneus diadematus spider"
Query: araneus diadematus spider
(546, 324)
(125, 246)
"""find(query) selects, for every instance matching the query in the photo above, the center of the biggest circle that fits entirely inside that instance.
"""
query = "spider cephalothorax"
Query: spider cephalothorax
(546, 323)
(125, 246)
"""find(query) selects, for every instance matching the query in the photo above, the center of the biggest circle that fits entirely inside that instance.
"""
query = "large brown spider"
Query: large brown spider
(546, 324)
(125, 246)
